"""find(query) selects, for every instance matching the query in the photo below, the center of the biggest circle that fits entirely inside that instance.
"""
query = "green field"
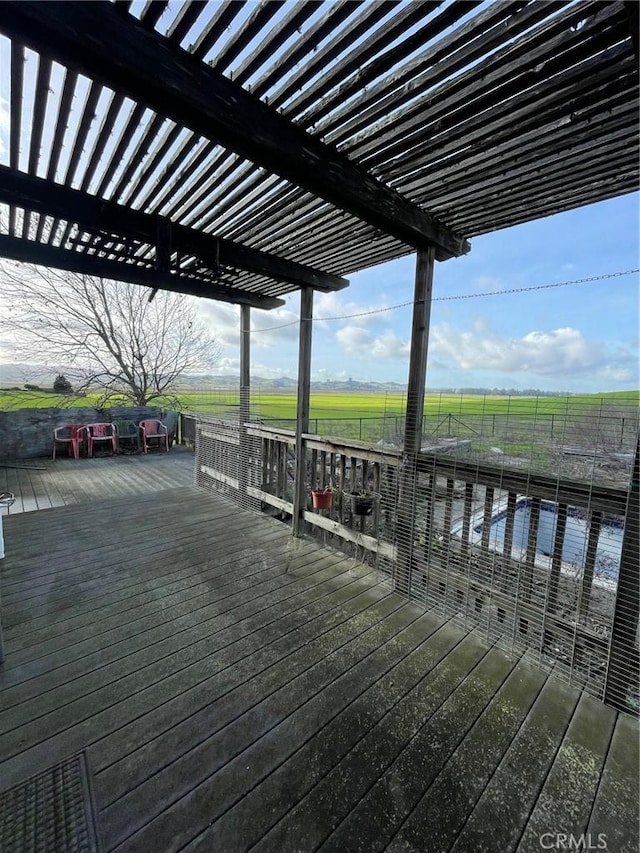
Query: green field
(337, 405)
(531, 431)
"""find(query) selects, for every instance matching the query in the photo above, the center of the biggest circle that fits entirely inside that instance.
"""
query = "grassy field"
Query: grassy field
(578, 433)
(338, 405)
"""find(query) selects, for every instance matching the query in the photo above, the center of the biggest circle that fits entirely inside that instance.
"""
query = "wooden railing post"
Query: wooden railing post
(623, 663)
(405, 529)
(302, 417)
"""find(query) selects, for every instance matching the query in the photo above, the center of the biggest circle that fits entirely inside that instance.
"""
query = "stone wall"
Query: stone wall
(28, 433)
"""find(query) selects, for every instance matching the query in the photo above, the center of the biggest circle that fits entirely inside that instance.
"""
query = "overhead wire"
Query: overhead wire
(462, 296)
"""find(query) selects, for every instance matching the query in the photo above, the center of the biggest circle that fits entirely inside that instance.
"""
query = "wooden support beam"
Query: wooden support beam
(94, 214)
(94, 39)
(623, 663)
(30, 252)
(245, 346)
(245, 396)
(304, 393)
(414, 417)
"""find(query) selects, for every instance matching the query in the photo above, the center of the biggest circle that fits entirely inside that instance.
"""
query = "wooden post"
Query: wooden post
(622, 667)
(302, 416)
(244, 412)
(414, 416)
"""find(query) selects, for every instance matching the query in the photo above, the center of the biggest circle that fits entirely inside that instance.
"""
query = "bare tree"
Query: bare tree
(105, 335)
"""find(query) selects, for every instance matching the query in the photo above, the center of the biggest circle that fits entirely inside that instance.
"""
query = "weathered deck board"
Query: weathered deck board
(65, 481)
(234, 688)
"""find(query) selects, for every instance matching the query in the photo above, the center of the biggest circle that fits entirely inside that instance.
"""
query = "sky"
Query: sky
(575, 338)
(580, 337)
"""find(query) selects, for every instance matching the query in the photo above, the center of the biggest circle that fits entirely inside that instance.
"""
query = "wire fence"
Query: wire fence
(518, 525)
(582, 437)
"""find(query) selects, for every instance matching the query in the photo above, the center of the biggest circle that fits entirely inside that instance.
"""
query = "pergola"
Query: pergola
(239, 151)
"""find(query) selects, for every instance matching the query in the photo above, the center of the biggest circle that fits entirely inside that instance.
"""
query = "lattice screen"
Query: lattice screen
(228, 458)
(532, 561)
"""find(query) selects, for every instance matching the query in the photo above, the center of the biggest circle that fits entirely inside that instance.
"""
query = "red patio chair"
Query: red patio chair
(106, 433)
(154, 429)
(72, 436)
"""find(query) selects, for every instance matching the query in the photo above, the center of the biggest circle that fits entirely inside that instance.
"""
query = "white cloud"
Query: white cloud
(5, 123)
(559, 352)
(333, 304)
(270, 328)
(227, 367)
(355, 340)
(224, 320)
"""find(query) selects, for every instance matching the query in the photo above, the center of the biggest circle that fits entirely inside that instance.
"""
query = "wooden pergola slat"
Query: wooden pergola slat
(96, 215)
(507, 110)
(28, 251)
(95, 40)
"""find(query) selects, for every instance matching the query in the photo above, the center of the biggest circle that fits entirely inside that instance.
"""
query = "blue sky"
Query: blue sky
(576, 338)
(581, 337)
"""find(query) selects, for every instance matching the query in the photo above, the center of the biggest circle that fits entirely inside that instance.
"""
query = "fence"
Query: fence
(534, 562)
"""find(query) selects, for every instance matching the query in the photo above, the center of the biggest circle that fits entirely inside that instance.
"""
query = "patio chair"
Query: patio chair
(153, 433)
(128, 436)
(101, 433)
(72, 436)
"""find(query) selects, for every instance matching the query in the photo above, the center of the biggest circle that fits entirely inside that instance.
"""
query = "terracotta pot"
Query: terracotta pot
(321, 499)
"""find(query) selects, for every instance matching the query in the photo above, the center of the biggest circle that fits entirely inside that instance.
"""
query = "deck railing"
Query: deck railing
(523, 558)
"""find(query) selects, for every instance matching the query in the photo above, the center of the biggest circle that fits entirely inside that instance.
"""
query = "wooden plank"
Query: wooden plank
(370, 543)
(443, 809)
(339, 675)
(515, 786)
(436, 732)
(125, 58)
(272, 500)
(572, 492)
(28, 251)
(69, 697)
(220, 477)
(615, 816)
(79, 639)
(294, 805)
(270, 680)
(231, 692)
(566, 799)
(95, 214)
(59, 721)
(79, 634)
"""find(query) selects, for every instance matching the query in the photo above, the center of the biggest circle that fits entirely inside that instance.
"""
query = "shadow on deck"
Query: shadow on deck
(232, 688)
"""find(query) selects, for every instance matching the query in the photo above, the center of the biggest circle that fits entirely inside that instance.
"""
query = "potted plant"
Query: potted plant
(322, 496)
(362, 502)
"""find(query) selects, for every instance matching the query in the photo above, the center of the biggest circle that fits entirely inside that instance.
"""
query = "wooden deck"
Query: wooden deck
(46, 483)
(234, 689)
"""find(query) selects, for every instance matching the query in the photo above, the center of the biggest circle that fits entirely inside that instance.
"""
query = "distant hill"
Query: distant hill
(16, 374)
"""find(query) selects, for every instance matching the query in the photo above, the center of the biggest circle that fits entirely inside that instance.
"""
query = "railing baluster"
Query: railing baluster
(430, 501)
(486, 518)
(589, 563)
(375, 517)
(448, 510)
(556, 561)
(466, 518)
(532, 538)
(507, 548)
(343, 485)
